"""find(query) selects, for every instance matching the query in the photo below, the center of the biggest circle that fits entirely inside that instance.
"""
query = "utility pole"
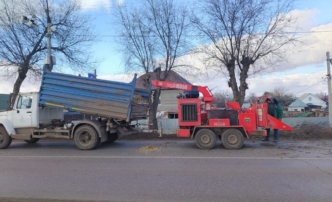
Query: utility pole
(49, 65)
(328, 60)
(95, 73)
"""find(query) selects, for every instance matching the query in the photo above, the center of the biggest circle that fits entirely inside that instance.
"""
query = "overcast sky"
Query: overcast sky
(303, 71)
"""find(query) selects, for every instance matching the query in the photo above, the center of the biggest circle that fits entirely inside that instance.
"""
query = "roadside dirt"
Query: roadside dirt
(308, 131)
(305, 131)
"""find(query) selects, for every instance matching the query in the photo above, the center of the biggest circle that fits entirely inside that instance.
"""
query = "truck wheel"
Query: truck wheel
(33, 140)
(205, 139)
(5, 139)
(232, 139)
(112, 137)
(86, 137)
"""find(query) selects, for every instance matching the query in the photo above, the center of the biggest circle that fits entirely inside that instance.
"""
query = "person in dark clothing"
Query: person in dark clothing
(275, 110)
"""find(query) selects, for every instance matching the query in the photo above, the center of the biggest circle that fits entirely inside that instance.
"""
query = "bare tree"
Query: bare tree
(285, 98)
(252, 97)
(221, 97)
(322, 96)
(152, 37)
(23, 47)
(242, 32)
(281, 95)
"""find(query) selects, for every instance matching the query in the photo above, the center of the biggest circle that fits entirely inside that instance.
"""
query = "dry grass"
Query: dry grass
(148, 149)
(308, 131)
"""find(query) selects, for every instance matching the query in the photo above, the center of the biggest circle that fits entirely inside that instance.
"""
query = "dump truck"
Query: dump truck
(37, 115)
(199, 120)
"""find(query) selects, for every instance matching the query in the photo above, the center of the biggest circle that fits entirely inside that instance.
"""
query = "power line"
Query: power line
(200, 35)
(310, 87)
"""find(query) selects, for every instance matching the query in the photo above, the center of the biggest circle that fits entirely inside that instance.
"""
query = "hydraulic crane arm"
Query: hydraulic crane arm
(207, 95)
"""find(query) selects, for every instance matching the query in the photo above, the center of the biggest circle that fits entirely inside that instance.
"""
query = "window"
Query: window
(309, 98)
(172, 115)
(24, 102)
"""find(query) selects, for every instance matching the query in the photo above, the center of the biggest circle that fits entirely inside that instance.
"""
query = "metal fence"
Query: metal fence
(294, 121)
(169, 126)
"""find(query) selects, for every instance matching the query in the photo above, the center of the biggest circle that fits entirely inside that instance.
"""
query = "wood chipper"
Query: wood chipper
(199, 120)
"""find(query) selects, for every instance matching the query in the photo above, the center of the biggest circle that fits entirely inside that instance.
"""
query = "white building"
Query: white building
(311, 99)
(297, 106)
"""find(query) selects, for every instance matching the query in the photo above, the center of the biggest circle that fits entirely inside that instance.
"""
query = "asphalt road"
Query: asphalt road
(167, 170)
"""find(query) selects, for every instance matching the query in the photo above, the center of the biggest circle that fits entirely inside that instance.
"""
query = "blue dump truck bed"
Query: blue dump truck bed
(103, 98)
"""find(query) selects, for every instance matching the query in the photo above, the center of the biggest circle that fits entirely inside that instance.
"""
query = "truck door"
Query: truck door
(22, 112)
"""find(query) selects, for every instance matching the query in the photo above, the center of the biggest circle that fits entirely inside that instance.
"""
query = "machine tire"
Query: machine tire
(5, 139)
(205, 139)
(86, 137)
(32, 141)
(232, 139)
(112, 137)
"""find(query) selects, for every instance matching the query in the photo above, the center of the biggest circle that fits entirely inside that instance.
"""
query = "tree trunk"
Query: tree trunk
(22, 73)
(153, 123)
(246, 62)
(232, 80)
(243, 84)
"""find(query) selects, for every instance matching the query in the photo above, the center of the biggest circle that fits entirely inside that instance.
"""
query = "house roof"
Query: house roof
(308, 94)
(298, 103)
(172, 77)
(303, 96)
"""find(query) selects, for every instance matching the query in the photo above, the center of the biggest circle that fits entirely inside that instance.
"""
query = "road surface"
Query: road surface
(167, 170)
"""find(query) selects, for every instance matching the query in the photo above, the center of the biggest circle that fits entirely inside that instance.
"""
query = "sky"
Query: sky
(304, 69)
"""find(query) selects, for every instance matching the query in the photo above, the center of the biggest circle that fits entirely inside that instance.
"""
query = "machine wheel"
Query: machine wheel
(86, 137)
(33, 140)
(5, 139)
(232, 139)
(205, 139)
(112, 137)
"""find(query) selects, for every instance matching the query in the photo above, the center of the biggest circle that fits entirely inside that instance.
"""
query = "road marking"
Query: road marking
(168, 157)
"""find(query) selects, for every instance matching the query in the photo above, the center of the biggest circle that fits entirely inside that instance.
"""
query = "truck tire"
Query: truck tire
(205, 139)
(232, 139)
(86, 137)
(112, 137)
(5, 139)
(33, 140)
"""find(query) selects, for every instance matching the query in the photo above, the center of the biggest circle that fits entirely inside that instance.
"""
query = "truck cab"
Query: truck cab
(26, 114)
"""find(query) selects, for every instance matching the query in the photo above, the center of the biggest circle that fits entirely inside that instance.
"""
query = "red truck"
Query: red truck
(198, 119)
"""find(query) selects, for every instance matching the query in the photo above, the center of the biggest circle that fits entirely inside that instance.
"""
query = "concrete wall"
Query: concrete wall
(292, 109)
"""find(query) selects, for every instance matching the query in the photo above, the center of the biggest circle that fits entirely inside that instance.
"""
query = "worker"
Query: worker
(275, 110)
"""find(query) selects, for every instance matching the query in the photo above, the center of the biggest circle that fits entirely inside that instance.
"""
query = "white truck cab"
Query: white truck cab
(29, 122)
(27, 115)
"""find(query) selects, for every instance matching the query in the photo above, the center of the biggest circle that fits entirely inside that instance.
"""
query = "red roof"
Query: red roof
(172, 77)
